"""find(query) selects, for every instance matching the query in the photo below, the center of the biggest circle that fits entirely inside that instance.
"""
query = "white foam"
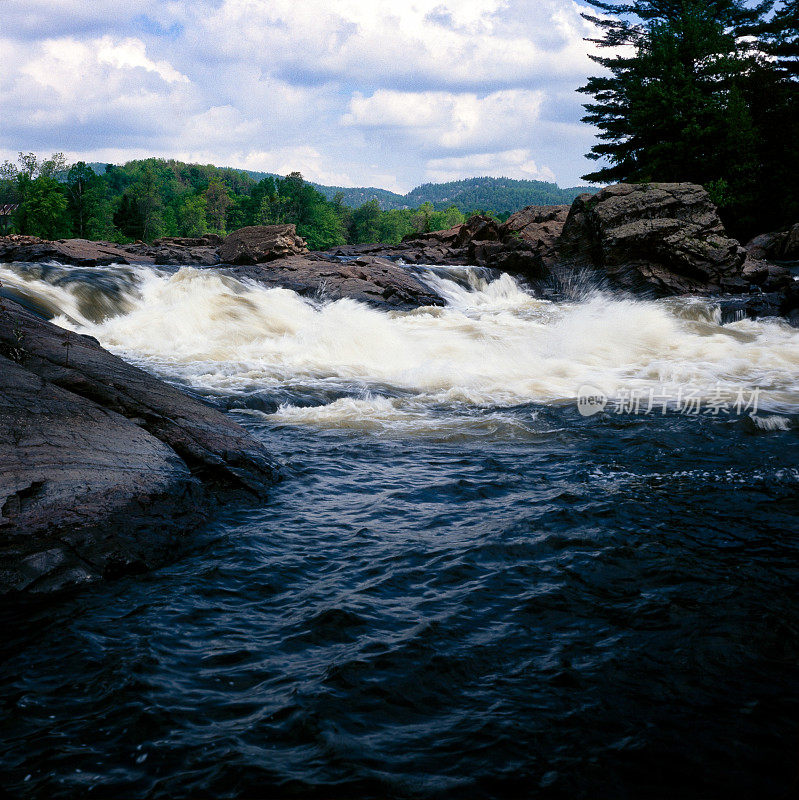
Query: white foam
(493, 345)
(772, 423)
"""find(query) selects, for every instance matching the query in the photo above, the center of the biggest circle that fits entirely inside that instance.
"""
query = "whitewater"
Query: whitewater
(463, 586)
(341, 363)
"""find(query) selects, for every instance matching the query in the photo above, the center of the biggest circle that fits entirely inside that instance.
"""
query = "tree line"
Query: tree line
(501, 194)
(704, 91)
(152, 198)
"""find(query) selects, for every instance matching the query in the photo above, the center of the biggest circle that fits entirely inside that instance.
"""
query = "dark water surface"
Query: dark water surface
(606, 610)
(462, 588)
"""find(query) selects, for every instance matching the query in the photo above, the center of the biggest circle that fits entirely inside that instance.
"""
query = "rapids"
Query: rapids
(494, 345)
(467, 585)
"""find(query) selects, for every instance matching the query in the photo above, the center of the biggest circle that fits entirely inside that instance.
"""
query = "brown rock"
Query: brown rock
(540, 227)
(367, 279)
(258, 244)
(661, 238)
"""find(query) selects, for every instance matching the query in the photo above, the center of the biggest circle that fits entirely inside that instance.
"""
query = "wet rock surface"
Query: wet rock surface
(105, 468)
(660, 238)
(367, 279)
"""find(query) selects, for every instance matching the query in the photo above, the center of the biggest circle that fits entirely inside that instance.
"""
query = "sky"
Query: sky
(385, 93)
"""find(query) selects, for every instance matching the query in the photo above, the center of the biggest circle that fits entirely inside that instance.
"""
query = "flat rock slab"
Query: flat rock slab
(66, 251)
(375, 281)
(85, 253)
(104, 466)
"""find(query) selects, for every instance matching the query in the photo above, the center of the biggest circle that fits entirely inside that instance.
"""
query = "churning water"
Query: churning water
(463, 586)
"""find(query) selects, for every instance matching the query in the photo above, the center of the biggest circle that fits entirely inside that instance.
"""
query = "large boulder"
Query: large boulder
(259, 244)
(104, 467)
(778, 246)
(661, 238)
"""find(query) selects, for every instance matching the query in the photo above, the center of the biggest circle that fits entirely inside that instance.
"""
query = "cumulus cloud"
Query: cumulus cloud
(447, 120)
(427, 44)
(90, 91)
(518, 164)
(348, 91)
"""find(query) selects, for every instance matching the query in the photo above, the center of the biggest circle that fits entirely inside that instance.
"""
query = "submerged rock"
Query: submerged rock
(660, 238)
(105, 468)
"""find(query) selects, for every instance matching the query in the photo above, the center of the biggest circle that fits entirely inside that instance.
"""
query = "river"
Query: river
(522, 548)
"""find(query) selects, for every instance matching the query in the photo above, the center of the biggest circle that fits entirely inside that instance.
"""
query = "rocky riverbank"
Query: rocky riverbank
(105, 469)
(652, 240)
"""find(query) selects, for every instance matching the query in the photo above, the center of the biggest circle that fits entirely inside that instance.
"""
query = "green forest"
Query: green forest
(152, 198)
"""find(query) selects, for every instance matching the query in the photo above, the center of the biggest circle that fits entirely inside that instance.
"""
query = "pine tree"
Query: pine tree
(662, 109)
(679, 101)
(781, 35)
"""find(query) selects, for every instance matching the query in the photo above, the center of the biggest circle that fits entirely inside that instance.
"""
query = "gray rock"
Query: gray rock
(660, 238)
(778, 246)
(105, 468)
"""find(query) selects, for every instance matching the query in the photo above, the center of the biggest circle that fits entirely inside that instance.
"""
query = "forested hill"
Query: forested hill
(500, 195)
(494, 194)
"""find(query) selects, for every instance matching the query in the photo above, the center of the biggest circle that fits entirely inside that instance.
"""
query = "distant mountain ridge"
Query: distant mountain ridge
(499, 195)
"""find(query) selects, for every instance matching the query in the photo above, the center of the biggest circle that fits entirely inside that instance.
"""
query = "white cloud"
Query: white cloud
(132, 53)
(370, 92)
(445, 119)
(518, 164)
(381, 43)
(69, 79)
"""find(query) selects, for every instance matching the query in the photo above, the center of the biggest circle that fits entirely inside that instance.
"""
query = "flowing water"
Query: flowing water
(469, 583)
